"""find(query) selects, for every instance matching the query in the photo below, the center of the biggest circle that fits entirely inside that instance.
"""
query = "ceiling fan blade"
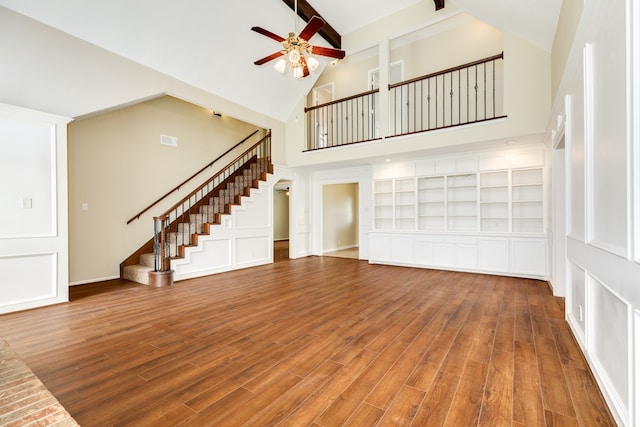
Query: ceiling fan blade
(268, 33)
(327, 51)
(269, 58)
(312, 27)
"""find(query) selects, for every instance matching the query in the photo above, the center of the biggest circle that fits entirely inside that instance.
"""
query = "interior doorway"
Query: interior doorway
(340, 228)
(281, 232)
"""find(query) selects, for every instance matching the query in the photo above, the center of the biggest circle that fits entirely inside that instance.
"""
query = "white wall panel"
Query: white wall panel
(526, 159)
(636, 364)
(214, 254)
(444, 256)
(423, 253)
(444, 166)
(254, 212)
(402, 249)
(425, 167)
(576, 151)
(493, 255)
(493, 161)
(576, 303)
(251, 249)
(468, 164)
(34, 254)
(466, 257)
(28, 278)
(402, 170)
(607, 159)
(27, 198)
(610, 345)
(380, 247)
(528, 256)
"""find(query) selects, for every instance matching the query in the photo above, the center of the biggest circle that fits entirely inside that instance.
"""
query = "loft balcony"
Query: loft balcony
(462, 95)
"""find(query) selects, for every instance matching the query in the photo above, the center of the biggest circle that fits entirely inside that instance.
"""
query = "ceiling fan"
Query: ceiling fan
(294, 48)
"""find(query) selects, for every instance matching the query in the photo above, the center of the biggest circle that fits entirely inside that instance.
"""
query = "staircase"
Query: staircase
(199, 213)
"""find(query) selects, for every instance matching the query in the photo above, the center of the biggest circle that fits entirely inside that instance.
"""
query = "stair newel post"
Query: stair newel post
(161, 274)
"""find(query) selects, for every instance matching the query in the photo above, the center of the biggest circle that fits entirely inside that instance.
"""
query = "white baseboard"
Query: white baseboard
(98, 279)
(341, 248)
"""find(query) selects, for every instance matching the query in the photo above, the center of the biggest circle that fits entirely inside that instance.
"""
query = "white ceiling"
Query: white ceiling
(208, 43)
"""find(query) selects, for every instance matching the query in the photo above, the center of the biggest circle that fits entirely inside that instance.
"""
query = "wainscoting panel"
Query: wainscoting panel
(28, 278)
(609, 341)
(34, 241)
(493, 255)
(251, 249)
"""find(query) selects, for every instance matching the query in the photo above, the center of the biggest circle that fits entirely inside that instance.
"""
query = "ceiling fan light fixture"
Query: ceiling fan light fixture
(296, 51)
(312, 63)
(294, 56)
(281, 66)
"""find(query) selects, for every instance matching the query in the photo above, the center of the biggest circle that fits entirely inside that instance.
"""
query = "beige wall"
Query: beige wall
(443, 48)
(446, 44)
(339, 216)
(349, 76)
(117, 166)
(280, 215)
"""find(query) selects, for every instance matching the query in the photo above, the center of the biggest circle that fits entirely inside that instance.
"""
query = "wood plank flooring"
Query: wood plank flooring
(318, 341)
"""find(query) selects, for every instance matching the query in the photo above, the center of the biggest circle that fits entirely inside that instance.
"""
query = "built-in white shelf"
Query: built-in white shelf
(494, 201)
(383, 205)
(527, 200)
(501, 201)
(405, 204)
(431, 203)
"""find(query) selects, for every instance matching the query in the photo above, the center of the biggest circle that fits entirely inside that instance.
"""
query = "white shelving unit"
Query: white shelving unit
(501, 201)
(527, 206)
(462, 202)
(483, 213)
(494, 201)
(383, 204)
(431, 202)
(405, 204)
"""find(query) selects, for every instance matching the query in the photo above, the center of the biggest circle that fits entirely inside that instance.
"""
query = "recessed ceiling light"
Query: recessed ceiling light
(388, 159)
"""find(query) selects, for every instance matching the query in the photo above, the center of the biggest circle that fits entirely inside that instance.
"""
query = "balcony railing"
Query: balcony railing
(469, 93)
(344, 121)
(466, 94)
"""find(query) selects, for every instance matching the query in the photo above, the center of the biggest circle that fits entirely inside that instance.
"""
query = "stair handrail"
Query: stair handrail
(216, 175)
(259, 152)
(139, 214)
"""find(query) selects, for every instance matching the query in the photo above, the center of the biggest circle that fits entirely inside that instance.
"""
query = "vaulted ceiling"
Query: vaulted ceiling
(208, 44)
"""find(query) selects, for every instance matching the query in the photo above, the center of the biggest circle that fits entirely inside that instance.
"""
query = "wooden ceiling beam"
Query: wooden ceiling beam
(439, 4)
(306, 12)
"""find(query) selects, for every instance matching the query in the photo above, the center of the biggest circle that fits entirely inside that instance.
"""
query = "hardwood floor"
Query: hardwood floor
(317, 341)
(352, 253)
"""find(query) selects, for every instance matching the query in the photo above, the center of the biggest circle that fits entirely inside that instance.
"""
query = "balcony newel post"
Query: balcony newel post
(161, 275)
